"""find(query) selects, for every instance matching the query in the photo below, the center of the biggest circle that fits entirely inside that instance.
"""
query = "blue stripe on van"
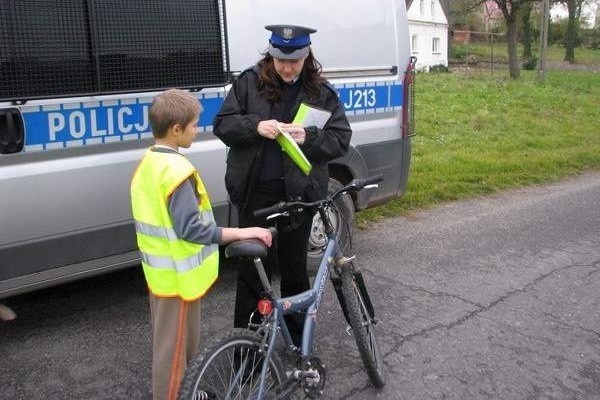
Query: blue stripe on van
(211, 108)
(375, 97)
(79, 124)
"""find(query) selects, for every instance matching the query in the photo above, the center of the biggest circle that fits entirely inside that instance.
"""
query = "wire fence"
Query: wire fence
(473, 49)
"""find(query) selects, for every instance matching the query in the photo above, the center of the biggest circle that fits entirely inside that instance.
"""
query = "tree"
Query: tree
(574, 9)
(511, 10)
(527, 36)
(461, 13)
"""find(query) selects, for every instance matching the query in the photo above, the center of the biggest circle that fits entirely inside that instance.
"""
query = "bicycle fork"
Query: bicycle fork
(346, 262)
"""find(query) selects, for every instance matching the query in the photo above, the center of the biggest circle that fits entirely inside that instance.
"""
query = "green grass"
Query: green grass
(582, 55)
(479, 134)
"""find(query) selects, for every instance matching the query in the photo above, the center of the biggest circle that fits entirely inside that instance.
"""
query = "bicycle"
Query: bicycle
(245, 364)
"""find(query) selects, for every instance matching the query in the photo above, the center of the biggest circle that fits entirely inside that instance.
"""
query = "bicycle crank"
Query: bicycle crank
(313, 378)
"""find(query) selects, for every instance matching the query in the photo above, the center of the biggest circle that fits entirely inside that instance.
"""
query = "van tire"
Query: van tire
(343, 219)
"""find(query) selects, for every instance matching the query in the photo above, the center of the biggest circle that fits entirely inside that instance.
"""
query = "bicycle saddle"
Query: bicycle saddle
(246, 248)
(249, 247)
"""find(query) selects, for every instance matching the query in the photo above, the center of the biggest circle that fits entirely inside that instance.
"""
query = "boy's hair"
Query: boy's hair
(171, 107)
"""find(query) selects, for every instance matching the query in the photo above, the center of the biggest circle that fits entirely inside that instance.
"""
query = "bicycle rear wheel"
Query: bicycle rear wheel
(363, 328)
(231, 370)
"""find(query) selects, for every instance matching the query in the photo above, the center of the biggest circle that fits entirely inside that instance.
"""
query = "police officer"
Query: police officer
(264, 99)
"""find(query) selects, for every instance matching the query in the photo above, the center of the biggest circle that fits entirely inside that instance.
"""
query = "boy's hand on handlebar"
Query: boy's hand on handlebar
(229, 235)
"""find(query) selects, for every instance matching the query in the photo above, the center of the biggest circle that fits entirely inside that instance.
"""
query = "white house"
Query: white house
(428, 29)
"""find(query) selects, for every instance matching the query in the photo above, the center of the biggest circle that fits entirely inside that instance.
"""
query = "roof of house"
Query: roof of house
(442, 4)
(424, 15)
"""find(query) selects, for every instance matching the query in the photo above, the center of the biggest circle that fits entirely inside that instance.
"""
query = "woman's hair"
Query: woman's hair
(270, 82)
(171, 107)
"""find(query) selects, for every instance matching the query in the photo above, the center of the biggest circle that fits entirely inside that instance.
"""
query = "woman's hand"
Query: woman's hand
(268, 128)
(296, 131)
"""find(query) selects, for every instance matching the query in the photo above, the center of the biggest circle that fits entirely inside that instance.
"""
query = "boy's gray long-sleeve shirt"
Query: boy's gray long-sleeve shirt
(183, 208)
(186, 217)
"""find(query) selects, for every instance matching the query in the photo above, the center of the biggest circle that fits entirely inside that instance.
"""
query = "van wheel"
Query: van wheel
(342, 217)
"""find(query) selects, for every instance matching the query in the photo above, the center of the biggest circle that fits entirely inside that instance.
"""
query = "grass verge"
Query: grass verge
(479, 134)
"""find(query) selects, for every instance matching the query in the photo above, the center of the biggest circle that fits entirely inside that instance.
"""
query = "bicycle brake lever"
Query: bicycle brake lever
(277, 215)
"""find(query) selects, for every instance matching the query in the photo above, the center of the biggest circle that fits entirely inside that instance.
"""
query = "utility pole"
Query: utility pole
(492, 54)
(544, 40)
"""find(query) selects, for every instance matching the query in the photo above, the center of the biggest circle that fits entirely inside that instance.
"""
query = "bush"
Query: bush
(438, 68)
(530, 64)
(591, 38)
(459, 52)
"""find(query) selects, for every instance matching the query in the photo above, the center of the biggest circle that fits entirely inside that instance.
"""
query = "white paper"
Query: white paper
(314, 117)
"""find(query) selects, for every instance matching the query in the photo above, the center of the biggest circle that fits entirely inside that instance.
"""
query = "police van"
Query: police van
(76, 81)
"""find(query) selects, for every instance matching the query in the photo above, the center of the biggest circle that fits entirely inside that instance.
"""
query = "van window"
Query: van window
(84, 47)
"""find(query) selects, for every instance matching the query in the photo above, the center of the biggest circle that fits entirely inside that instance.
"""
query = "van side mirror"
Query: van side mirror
(12, 132)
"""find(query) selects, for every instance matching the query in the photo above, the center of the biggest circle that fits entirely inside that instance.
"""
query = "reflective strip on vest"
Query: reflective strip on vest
(183, 265)
(153, 230)
(206, 217)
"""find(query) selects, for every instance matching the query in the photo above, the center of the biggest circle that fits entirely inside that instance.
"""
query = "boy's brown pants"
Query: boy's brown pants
(176, 336)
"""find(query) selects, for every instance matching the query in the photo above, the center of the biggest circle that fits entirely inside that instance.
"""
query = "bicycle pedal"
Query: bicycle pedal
(345, 260)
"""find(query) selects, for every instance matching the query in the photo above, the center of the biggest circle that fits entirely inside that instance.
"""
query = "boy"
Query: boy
(177, 236)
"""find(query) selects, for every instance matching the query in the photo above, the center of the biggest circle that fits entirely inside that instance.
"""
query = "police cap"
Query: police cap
(289, 42)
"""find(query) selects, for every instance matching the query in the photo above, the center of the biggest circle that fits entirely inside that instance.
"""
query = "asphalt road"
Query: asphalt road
(494, 298)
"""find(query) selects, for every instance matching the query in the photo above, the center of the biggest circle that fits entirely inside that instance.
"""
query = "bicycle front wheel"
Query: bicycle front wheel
(363, 328)
(231, 370)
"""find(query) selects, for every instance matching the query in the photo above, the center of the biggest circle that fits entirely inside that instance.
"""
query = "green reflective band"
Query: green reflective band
(183, 265)
(153, 230)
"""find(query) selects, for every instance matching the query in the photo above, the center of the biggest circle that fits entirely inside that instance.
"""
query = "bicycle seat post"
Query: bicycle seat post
(263, 275)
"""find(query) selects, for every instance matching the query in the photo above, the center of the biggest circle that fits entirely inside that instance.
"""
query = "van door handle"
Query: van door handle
(12, 131)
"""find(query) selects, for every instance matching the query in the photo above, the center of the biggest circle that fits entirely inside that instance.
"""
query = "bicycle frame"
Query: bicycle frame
(309, 300)
(257, 342)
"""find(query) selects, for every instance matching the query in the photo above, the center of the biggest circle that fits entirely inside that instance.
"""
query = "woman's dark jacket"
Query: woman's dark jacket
(236, 123)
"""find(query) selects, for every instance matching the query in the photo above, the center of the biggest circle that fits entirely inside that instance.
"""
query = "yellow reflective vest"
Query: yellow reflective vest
(173, 267)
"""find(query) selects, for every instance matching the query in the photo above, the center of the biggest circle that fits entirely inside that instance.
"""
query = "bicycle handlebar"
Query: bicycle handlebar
(274, 209)
(358, 184)
(361, 183)
(281, 207)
